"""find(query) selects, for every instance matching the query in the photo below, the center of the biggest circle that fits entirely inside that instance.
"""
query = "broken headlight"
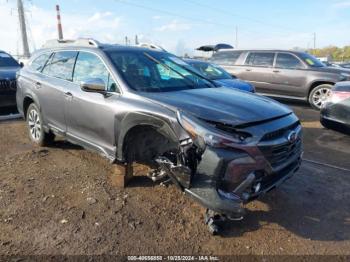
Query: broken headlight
(204, 133)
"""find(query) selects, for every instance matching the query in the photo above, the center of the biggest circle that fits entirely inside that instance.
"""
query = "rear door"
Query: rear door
(56, 77)
(290, 75)
(258, 70)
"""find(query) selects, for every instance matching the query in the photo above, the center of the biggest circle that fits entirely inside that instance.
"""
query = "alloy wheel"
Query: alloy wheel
(320, 96)
(34, 124)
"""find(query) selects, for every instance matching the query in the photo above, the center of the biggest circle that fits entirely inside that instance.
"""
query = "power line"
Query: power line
(231, 26)
(229, 13)
(172, 14)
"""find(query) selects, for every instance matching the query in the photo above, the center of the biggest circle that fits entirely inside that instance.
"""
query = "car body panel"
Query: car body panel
(336, 114)
(8, 86)
(282, 82)
(221, 104)
(104, 122)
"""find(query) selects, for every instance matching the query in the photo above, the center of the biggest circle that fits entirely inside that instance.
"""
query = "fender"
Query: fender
(30, 94)
(135, 119)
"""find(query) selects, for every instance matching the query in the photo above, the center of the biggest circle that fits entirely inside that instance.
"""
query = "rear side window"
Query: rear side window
(226, 57)
(264, 59)
(39, 62)
(90, 66)
(61, 65)
(287, 61)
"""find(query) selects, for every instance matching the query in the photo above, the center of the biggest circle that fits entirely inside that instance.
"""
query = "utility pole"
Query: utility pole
(236, 37)
(136, 40)
(59, 24)
(22, 24)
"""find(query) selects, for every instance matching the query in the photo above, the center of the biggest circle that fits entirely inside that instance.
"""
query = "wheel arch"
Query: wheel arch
(318, 83)
(134, 123)
(27, 101)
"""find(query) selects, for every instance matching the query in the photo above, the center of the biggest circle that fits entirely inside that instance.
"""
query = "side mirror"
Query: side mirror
(93, 85)
(21, 64)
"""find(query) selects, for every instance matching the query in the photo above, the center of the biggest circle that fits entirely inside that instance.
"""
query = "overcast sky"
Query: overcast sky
(180, 26)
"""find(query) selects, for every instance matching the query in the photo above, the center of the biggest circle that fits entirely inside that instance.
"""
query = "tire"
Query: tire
(319, 95)
(35, 127)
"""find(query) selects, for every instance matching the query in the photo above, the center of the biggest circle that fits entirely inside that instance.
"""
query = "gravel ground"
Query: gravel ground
(59, 200)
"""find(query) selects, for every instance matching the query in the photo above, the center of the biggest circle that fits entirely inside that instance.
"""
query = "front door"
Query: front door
(258, 70)
(90, 116)
(290, 76)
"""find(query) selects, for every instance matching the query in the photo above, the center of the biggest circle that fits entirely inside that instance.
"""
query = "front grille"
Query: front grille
(279, 154)
(280, 132)
(7, 85)
(277, 149)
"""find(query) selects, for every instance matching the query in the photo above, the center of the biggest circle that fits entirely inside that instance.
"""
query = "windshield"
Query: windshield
(7, 61)
(155, 71)
(311, 60)
(211, 71)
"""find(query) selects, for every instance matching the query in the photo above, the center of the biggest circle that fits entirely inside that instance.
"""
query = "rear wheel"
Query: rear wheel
(35, 127)
(319, 95)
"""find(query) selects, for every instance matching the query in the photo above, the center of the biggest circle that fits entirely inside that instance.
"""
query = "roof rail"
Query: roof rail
(88, 42)
(151, 46)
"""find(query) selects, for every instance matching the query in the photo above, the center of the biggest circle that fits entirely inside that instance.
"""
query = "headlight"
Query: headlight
(205, 134)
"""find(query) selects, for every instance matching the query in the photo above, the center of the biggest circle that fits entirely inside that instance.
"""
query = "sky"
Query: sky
(181, 26)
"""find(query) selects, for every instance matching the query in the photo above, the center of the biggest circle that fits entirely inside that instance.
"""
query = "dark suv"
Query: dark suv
(284, 74)
(222, 147)
(8, 68)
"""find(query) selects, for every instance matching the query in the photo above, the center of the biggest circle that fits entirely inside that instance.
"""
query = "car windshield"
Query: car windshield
(7, 61)
(311, 60)
(211, 71)
(156, 71)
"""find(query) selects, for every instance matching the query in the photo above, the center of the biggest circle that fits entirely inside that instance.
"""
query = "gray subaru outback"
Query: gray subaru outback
(223, 147)
(282, 73)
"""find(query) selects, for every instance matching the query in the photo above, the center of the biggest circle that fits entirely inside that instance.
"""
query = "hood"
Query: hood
(235, 83)
(224, 105)
(8, 72)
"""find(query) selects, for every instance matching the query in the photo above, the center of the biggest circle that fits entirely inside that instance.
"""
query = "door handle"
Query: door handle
(69, 94)
(276, 71)
(248, 70)
(37, 85)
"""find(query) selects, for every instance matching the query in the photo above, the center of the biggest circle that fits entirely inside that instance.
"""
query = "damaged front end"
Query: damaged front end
(223, 167)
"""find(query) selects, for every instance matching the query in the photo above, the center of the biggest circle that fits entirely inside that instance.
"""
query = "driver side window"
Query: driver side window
(90, 66)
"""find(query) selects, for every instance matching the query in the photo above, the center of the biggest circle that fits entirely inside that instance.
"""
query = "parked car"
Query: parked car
(220, 146)
(284, 74)
(8, 68)
(346, 65)
(336, 112)
(219, 75)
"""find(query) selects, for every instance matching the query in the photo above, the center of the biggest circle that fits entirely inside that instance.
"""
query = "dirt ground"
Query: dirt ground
(59, 200)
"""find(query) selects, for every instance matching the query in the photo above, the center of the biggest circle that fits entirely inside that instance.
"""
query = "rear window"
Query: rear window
(225, 57)
(61, 65)
(264, 59)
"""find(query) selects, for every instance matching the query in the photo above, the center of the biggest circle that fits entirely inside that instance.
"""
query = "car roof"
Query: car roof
(263, 50)
(105, 47)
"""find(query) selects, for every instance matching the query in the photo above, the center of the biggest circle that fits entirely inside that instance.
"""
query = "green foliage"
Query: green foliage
(336, 53)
